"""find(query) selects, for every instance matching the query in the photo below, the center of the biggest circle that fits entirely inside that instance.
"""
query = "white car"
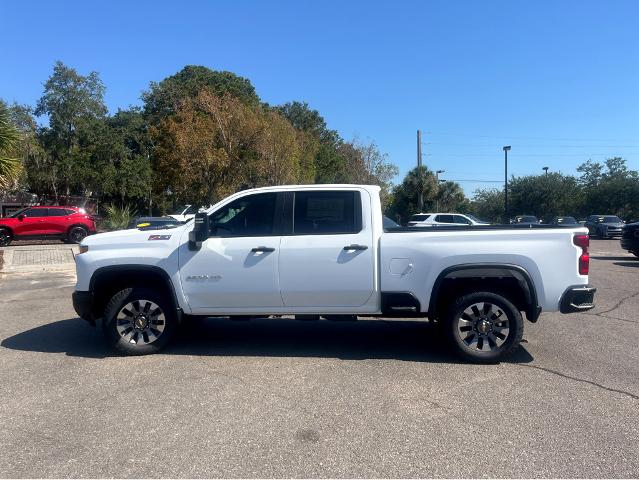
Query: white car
(444, 219)
(323, 250)
(185, 213)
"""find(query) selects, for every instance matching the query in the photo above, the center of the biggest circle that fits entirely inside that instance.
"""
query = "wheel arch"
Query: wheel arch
(504, 278)
(107, 281)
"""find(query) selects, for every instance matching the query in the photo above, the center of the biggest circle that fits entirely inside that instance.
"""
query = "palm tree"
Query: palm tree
(10, 166)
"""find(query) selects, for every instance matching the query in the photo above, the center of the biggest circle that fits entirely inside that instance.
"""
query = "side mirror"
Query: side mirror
(20, 217)
(200, 231)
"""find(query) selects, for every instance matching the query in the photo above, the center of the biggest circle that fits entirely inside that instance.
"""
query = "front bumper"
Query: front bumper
(578, 298)
(83, 305)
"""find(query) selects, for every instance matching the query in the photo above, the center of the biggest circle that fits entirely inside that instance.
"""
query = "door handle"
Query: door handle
(356, 247)
(262, 249)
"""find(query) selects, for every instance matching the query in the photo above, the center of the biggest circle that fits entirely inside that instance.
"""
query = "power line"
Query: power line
(523, 138)
(531, 145)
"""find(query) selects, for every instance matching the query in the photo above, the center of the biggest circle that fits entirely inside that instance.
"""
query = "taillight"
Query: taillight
(583, 241)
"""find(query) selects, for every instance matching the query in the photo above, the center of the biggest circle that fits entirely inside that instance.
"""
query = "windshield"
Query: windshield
(566, 220)
(609, 219)
(475, 219)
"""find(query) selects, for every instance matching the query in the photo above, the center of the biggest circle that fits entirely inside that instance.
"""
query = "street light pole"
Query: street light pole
(545, 169)
(506, 149)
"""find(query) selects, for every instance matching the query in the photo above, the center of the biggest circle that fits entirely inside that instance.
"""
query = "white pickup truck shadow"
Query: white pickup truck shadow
(404, 340)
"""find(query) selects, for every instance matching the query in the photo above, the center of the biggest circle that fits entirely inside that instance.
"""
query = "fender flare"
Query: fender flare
(152, 269)
(526, 282)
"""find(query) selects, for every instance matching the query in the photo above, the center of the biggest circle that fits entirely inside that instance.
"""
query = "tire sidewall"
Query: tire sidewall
(9, 237)
(114, 306)
(515, 327)
(86, 233)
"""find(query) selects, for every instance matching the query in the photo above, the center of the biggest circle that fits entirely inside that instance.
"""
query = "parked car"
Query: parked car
(151, 222)
(71, 224)
(525, 220)
(186, 212)
(444, 219)
(604, 226)
(630, 238)
(565, 221)
(322, 250)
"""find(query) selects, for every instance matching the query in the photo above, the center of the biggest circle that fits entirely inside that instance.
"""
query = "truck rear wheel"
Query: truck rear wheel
(139, 321)
(483, 327)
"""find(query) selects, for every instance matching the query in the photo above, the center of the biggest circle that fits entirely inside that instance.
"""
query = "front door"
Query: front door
(236, 269)
(33, 222)
(328, 260)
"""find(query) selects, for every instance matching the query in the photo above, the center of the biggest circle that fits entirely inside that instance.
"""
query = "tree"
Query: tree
(203, 150)
(450, 197)
(366, 164)
(488, 204)
(279, 153)
(164, 98)
(544, 195)
(10, 165)
(71, 101)
(329, 165)
(406, 194)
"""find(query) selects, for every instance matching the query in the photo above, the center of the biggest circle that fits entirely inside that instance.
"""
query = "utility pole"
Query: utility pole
(506, 149)
(437, 183)
(420, 194)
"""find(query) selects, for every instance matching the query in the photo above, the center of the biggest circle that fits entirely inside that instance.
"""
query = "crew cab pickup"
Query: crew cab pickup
(323, 250)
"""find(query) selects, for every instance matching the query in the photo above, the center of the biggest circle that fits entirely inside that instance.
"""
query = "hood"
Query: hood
(134, 236)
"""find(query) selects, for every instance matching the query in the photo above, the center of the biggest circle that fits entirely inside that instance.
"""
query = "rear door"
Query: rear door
(58, 221)
(326, 260)
(445, 220)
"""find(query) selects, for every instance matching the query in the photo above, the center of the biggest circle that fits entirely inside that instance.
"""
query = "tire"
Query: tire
(77, 234)
(472, 330)
(5, 237)
(132, 324)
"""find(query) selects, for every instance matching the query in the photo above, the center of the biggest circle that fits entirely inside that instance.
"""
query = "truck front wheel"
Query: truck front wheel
(483, 327)
(139, 321)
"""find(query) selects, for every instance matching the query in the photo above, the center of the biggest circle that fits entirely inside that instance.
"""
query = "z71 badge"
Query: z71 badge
(159, 237)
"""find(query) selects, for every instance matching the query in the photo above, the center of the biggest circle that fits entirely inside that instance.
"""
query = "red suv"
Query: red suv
(68, 223)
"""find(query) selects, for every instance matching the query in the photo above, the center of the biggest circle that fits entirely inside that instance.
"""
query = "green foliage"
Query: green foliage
(609, 188)
(10, 165)
(488, 204)
(164, 98)
(118, 218)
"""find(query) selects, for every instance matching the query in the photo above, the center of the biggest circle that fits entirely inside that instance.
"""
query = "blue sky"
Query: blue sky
(557, 80)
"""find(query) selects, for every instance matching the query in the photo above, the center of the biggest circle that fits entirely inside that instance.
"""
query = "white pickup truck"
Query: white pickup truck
(322, 250)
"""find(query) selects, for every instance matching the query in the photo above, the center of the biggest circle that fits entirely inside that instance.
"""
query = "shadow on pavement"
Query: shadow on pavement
(627, 264)
(630, 257)
(404, 340)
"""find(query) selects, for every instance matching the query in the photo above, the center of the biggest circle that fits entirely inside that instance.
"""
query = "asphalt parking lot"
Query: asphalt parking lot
(276, 397)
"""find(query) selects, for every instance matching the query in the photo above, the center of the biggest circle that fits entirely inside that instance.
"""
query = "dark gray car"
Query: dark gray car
(604, 226)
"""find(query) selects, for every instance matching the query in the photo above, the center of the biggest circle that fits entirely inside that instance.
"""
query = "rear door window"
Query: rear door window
(58, 212)
(444, 219)
(326, 212)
